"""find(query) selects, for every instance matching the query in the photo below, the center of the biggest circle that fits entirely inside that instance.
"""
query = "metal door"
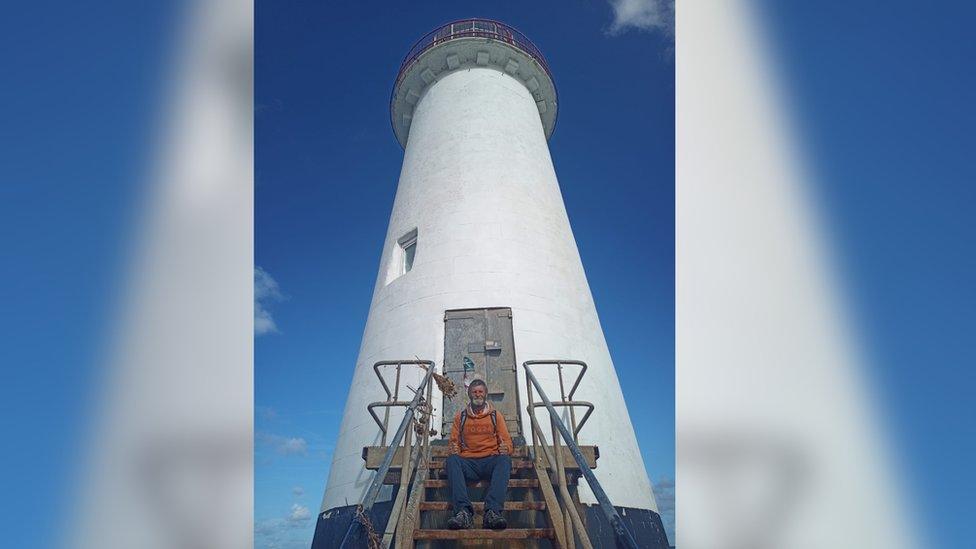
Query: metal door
(485, 337)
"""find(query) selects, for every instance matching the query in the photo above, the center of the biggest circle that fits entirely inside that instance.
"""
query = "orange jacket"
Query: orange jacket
(480, 438)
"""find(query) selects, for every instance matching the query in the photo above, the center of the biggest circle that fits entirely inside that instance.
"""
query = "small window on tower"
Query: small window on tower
(408, 251)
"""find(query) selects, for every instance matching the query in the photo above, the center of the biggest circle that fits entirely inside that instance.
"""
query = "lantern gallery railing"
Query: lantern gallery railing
(472, 28)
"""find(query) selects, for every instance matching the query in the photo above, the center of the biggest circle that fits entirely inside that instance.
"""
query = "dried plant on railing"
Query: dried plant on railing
(422, 421)
(372, 538)
(446, 386)
(444, 383)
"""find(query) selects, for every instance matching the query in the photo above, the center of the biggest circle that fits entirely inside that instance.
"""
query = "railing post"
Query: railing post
(374, 488)
(623, 534)
(401, 498)
(407, 447)
(531, 410)
(577, 522)
(386, 413)
(560, 472)
(562, 394)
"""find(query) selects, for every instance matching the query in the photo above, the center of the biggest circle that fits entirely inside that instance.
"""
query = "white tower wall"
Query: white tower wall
(478, 185)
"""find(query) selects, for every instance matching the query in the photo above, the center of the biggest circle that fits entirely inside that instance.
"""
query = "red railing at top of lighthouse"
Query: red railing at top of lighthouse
(471, 28)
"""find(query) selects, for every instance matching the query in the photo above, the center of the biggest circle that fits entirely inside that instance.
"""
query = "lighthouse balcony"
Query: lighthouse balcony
(471, 44)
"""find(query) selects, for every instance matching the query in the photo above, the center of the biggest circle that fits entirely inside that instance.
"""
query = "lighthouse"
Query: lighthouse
(480, 272)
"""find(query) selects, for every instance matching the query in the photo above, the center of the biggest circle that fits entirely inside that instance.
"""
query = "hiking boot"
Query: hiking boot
(494, 520)
(460, 521)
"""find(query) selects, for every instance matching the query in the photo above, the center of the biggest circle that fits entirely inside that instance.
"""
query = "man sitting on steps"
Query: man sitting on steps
(480, 449)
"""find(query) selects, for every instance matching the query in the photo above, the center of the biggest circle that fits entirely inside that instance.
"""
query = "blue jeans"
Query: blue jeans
(496, 469)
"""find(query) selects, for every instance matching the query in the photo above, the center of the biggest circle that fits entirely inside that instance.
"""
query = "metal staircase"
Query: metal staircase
(542, 508)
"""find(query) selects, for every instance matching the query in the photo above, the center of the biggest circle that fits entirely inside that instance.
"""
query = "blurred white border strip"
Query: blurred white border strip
(778, 444)
(170, 462)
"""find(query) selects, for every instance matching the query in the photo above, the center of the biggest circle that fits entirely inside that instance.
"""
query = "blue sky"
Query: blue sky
(76, 114)
(884, 97)
(326, 170)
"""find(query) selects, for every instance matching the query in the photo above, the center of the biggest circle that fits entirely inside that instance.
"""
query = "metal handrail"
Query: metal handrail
(559, 363)
(554, 460)
(390, 404)
(391, 396)
(623, 534)
(572, 403)
(567, 400)
(374, 488)
(397, 363)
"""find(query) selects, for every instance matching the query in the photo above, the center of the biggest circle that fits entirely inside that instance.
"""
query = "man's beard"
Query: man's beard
(477, 402)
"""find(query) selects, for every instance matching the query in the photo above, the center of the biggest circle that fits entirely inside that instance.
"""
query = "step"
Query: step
(516, 464)
(479, 506)
(373, 455)
(393, 477)
(510, 533)
(441, 451)
(590, 453)
(512, 483)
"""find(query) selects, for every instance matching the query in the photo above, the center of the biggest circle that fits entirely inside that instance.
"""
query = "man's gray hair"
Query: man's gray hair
(477, 381)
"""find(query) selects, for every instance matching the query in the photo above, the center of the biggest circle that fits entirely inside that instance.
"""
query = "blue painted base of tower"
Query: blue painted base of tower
(645, 524)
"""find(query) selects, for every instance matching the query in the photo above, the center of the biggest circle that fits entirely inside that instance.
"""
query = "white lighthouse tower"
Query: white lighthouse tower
(479, 259)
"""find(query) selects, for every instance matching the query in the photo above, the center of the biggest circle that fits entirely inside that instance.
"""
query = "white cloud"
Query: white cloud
(299, 514)
(294, 446)
(267, 527)
(298, 491)
(664, 495)
(642, 15)
(263, 323)
(284, 445)
(265, 290)
(279, 533)
(267, 413)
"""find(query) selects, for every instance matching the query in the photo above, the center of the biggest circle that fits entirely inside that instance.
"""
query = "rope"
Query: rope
(372, 538)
